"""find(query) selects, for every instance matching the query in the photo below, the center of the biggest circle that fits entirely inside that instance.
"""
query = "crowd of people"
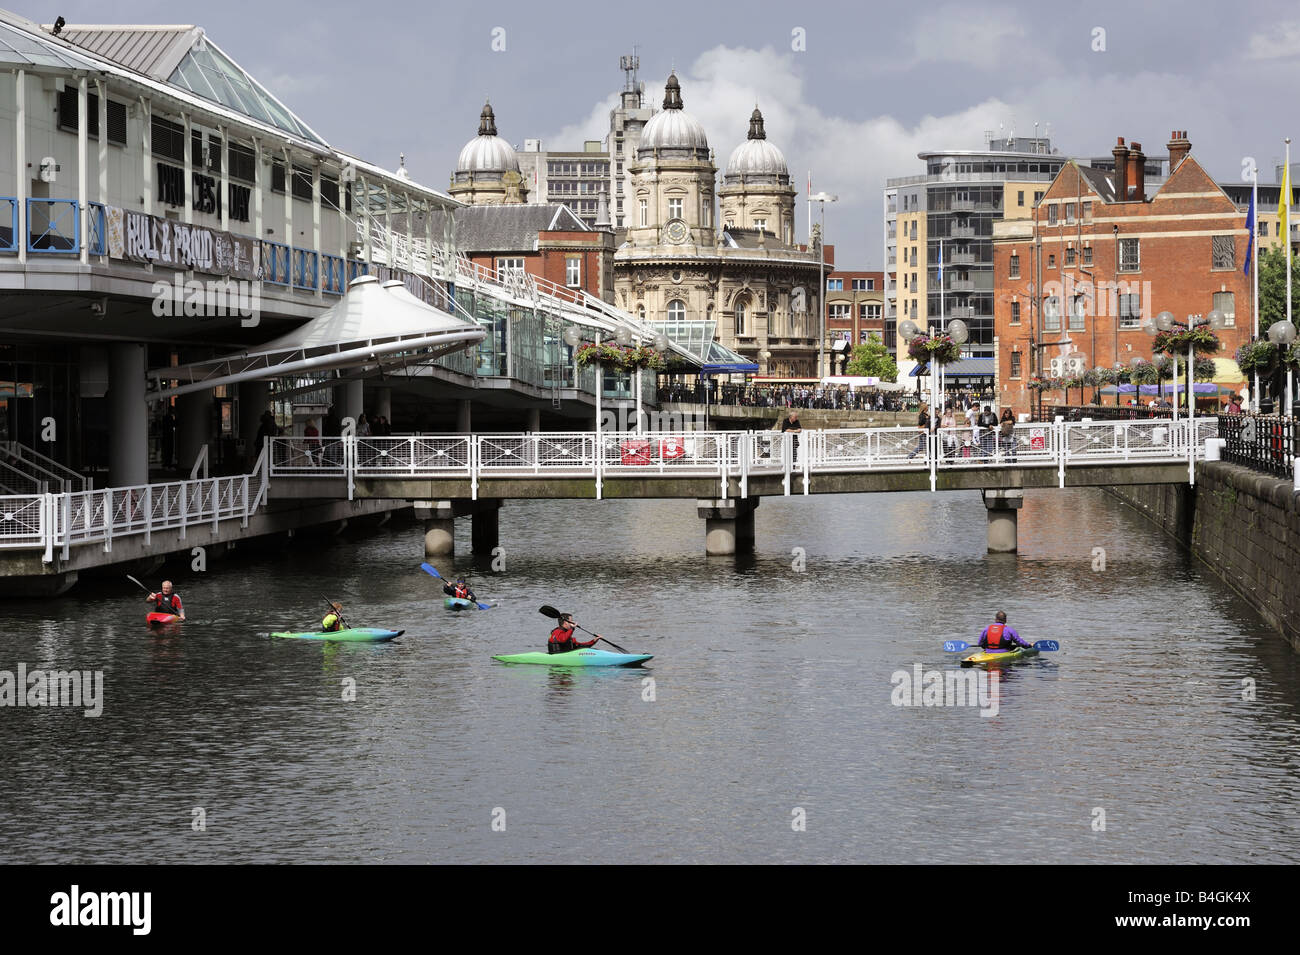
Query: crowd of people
(968, 429)
(839, 398)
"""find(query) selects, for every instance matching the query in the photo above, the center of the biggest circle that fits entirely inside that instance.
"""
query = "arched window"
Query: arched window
(677, 310)
(740, 316)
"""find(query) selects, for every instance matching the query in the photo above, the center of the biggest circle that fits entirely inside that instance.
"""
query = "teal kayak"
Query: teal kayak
(578, 658)
(458, 603)
(351, 635)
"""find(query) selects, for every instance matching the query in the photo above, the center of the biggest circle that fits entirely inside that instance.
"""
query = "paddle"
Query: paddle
(956, 646)
(433, 571)
(329, 603)
(547, 610)
(144, 588)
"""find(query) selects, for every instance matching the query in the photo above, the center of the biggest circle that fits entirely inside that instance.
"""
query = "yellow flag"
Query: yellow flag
(1284, 206)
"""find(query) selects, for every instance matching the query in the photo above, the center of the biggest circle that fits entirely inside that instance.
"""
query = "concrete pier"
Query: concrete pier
(128, 452)
(728, 525)
(1002, 505)
(439, 527)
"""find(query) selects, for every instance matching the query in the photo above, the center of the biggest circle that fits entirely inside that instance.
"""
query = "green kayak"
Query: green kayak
(351, 635)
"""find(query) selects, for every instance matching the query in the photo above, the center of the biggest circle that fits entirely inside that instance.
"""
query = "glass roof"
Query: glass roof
(693, 335)
(22, 49)
(206, 71)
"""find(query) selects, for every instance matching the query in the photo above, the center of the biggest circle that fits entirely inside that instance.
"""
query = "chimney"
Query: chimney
(1179, 147)
(1120, 152)
(1137, 174)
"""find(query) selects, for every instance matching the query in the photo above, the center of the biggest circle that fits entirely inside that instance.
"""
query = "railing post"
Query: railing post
(475, 462)
(65, 526)
(807, 461)
(244, 521)
(786, 442)
(47, 527)
(1062, 447)
(350, 461)
(216, 503)
(599, 456)
(931, 444)
(148, 514)
(185, 509)
(108, 520)
(745, 448)
(722, 446)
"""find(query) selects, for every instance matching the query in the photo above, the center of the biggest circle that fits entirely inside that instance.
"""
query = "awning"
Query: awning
(919, 371)
(373, 325)
(971, 368)
(729, 368)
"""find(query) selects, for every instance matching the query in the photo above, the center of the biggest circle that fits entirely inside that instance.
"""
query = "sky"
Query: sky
(851, 92)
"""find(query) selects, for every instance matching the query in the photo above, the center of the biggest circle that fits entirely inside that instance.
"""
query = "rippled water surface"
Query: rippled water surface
(771, 693)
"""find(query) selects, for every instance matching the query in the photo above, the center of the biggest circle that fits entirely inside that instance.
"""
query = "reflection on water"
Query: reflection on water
(771, 693)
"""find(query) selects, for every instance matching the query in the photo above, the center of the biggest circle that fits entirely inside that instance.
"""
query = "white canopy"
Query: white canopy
(372, 324)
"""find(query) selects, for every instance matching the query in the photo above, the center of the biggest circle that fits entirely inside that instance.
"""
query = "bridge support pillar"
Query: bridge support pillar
(485, 525)
(439, 527)
(349, 399)
(383, 403)
(534, 422)
(128, 452)
(463, 420)
(728, 525)
(193, 429)
(1002, 505)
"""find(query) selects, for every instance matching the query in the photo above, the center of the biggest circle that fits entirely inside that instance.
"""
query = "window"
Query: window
(674, 208)
(573, 271)
(1078, 310)
(913, 231)
(511, 265)
(1051, 261)
(1263, 228)
(1226, 303)
(1013, 270)
(869, 312)
(68, 115)
(1087, 212)
(1130, 255)
(1223, 252)
(1069, 256)
(676, 310)
(277, 177)
(835, 285)
(740, 318)
(641, 207)
(1038, 197)
(841, 312)
(1020, 198)
(168, 140)
(760, 224)
(1015, 364)
(864, 285)
(1087, 255)
(1015, 313)
(730, 224)
(1051, 314)
(1069, 213)
(302, 184)
(1129, 307)
(1051, 214)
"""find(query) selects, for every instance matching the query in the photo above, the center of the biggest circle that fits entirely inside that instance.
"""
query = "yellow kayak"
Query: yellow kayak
(984, 658)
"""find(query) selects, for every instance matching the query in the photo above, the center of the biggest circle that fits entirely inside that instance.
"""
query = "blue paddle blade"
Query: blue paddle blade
(954, 646)
(484, 606)
(1047, 645)
(430, 569)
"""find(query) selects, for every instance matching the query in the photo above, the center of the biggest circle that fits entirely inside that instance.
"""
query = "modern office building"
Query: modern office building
(626, 121)
(579, 180)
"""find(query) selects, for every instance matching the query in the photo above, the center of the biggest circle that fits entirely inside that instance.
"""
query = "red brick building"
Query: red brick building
(855, 303)
(1100, 254)
(547, 241)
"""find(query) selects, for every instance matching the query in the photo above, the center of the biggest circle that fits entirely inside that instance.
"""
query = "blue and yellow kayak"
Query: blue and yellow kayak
(578, 658)
(994, 658)
(351, 635)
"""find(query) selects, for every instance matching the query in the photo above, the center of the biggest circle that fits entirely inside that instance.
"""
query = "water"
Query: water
(772, 694)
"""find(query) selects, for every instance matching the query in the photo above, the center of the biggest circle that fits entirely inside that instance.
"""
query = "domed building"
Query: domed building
(741, 282)
(487, 171)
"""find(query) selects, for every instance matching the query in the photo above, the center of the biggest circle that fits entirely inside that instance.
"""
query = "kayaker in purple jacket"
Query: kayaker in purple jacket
(999, 636)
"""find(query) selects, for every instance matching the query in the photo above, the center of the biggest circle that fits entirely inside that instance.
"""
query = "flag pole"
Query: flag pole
(1286, 238)
(1254, 290)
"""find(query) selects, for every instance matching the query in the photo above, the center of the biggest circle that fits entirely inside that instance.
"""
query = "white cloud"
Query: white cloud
(983, 37)
(1282, 41)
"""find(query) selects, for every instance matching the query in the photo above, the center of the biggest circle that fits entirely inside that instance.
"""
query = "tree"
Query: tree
(873, 360)
(1272, 288)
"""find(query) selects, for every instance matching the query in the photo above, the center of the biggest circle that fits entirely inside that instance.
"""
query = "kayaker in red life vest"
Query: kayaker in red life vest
(459, 590)
(999, 636)
(167, 602)
(562, 637)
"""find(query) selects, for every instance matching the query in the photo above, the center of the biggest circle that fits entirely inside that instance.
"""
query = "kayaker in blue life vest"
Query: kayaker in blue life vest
(999, 636)
(333, 621)
(167, 602)
(562, 637)
(459, 590)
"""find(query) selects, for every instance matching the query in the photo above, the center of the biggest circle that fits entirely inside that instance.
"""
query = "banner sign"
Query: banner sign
(177, 245)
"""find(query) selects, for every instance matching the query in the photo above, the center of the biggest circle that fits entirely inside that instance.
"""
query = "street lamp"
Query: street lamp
(1282, 334)
(822, 198)
(1216, 320)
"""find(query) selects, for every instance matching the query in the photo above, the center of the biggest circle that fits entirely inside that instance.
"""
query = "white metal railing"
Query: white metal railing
(37, 473)
(58, 522)
(728, 455)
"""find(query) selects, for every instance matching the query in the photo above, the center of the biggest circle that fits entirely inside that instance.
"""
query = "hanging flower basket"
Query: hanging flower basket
(940, 349)
(615, 356)
(1177, 340)
(1037, 383)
